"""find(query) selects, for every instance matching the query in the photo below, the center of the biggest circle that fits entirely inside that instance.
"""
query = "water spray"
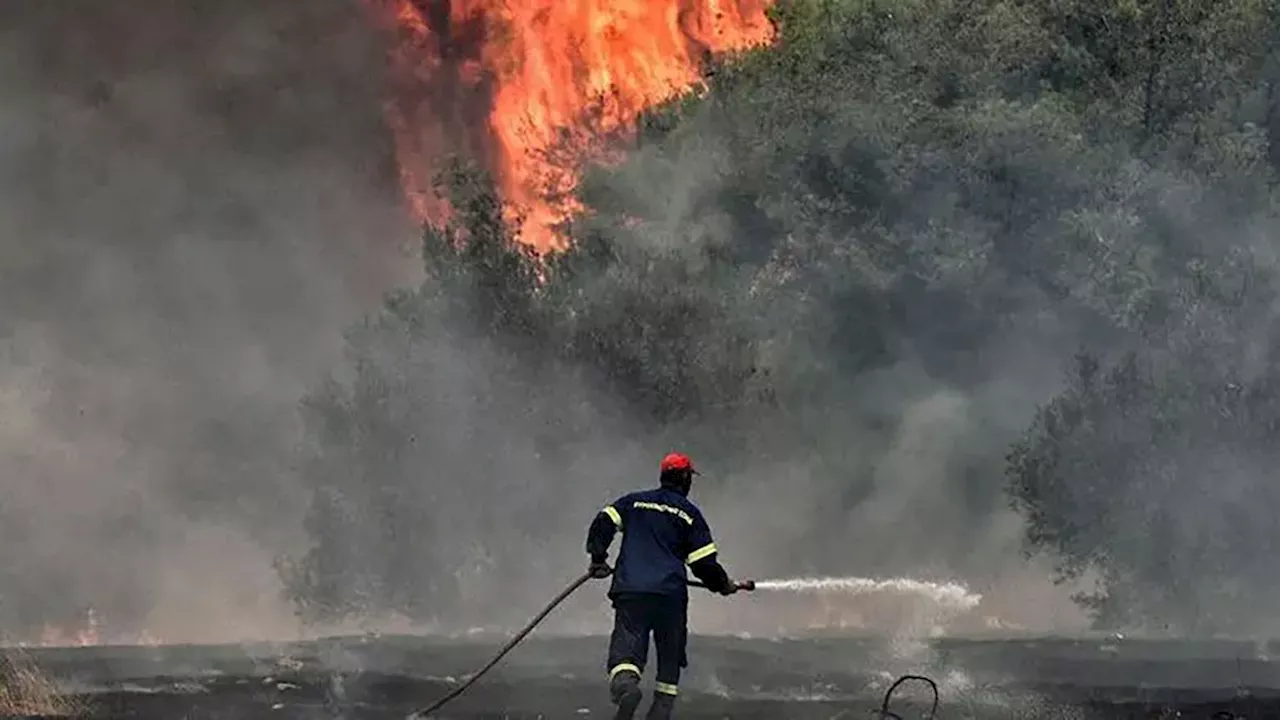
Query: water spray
(944, 594)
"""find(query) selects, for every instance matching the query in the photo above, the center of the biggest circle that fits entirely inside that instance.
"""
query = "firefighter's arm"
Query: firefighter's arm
(704, 559)
(713, 575)
(600, 535)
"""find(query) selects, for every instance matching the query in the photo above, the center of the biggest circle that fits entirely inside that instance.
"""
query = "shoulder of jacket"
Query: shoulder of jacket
(690, 506)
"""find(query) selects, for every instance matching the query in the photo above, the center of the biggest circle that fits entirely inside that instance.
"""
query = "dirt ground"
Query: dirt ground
(828, 678)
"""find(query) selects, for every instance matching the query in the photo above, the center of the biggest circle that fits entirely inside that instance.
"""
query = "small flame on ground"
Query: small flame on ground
(945, 594)
(89, 634)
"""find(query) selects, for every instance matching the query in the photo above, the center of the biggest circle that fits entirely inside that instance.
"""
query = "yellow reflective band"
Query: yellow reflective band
(704, 551)
(623, 667)
(613, 515)
(666, 688)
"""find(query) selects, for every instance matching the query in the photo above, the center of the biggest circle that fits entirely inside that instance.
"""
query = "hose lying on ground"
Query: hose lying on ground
(506, 649)
(886, 713)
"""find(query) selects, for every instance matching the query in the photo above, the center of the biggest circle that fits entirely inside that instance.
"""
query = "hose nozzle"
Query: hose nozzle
(747, 585)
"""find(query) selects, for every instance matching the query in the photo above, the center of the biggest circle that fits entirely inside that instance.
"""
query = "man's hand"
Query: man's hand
(599, 569)
(730, 588)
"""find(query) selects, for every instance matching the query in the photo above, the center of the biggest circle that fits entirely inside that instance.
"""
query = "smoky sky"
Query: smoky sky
(195, 199)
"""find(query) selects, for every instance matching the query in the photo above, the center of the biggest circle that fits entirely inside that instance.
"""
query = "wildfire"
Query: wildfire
(532, 88)
(88, 633)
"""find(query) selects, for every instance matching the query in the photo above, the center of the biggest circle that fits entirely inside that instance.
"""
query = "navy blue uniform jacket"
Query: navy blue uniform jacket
(662, 532)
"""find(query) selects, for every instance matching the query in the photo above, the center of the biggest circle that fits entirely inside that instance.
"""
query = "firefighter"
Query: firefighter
(662, 532)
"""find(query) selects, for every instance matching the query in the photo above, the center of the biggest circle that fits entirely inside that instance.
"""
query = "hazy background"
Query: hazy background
(197, 199)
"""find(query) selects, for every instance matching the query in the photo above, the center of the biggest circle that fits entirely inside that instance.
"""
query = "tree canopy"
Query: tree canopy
(899, 204)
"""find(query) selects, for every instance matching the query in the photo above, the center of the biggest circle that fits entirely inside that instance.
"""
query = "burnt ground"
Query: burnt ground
(358, 678)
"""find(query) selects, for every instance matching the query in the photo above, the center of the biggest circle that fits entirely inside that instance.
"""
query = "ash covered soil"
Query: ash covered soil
(387, 677)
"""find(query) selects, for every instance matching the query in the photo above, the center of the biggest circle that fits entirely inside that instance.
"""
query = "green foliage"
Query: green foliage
(893, 185)
(1155, 476)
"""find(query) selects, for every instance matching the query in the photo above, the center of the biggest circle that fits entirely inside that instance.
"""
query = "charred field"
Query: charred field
(817, 677)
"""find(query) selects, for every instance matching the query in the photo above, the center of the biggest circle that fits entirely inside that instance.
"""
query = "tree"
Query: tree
(1155, 469)
(846, 232)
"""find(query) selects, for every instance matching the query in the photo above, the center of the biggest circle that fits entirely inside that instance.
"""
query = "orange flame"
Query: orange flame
(89, 634)
(530, 89)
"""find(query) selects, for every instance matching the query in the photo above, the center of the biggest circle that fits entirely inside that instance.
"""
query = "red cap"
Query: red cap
(677, 461)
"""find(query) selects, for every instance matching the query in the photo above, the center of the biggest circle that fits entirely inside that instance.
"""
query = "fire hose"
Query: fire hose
(887, 714)
(747, 585)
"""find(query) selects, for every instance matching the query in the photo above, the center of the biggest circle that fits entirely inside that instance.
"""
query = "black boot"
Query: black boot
(662, 707)
(625, 689)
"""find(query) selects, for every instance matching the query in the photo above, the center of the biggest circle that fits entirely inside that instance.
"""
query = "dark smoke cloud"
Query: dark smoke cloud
(195, 199)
